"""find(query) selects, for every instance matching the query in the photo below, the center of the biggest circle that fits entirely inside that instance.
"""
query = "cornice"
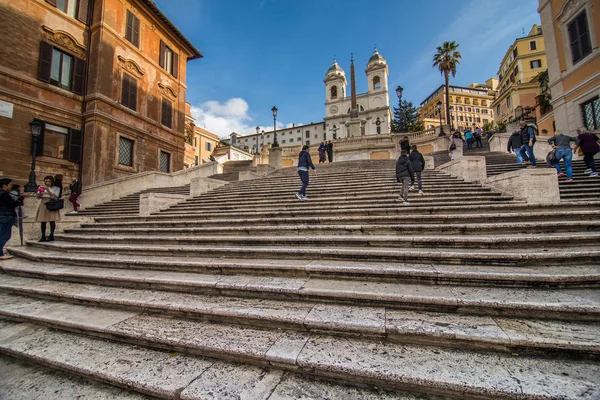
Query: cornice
(64, 41)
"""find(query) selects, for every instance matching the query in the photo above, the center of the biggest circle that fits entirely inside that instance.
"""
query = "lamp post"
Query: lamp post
(274, 110)
(439, 107)
(36, 129)
(335, 132)
(257, 143)
(451, 119)
(399, 91)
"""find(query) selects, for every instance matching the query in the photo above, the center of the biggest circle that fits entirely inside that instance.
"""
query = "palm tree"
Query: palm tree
(446, 59)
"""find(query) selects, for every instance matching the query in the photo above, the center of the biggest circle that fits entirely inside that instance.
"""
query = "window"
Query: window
(196, 160)
(168, 59)
(334, 92)
(508, 102)
(477, 110)
(533, 45)
(469, 119)
(167, 113)
(74, 8)
(129, 92)
(485, 121)
(291, 140)
(579, 37)
(61, 69)
(477, 119)
(484, 111)
(283, 141)
(208, 146)
(459, 108)
(483, 103)
(308, 142)
(468, 109)
(126, 151)
(516, 72)
(165, 162)
(376, 83)
(132, 30)
(536, 64)
(308, 134)
(515, 52)
(498, 110)
(461, 118)
(590, 111)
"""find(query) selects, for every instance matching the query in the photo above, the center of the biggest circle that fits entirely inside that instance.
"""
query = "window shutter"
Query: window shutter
(163, 49)
(53, 2)
(78, 75)
(82, 12)
(45, 62)
(167, 113)
(133, 94)
(129, 27)
(125, 91)
(175, 64)
(75, 145)
(136, 32)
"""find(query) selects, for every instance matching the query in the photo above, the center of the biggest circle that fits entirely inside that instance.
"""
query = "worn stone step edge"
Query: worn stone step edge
(413, 296)
(403, 327)
(320, 355)
(454, 256)
(394, 273)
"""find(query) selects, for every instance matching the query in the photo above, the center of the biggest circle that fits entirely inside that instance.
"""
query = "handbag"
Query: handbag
(55, 205)
(452, 147)
(551, 156)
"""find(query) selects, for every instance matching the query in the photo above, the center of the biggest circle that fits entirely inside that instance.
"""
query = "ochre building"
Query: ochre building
(106, 77)
(572, 33)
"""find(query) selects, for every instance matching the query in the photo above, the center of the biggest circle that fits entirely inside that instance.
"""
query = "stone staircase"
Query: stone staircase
(247, 292)
(232, 169)
(583, 187)
(130, 204)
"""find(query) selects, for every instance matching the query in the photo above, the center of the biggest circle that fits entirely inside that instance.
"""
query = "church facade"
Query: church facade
(373, 106)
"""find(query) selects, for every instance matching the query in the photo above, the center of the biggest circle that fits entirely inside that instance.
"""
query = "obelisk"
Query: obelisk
(354, 123)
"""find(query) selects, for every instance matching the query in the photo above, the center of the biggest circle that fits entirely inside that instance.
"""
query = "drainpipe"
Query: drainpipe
(90, 17)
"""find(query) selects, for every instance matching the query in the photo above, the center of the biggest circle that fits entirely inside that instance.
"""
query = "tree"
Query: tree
(407, 117)
(446, 59)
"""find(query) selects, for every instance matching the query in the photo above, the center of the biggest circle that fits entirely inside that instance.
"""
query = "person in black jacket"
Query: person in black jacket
(304, 163)
(404, 170)
(418, 164)
(514, 145)
(7, 214)
(75, 192)
(405, 144)
(330, 151)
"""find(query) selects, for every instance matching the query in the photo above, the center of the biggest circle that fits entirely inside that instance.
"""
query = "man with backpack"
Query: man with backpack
(404, 171)
(528, 138)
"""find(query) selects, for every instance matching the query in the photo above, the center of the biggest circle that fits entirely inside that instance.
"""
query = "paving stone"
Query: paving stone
(365, 320)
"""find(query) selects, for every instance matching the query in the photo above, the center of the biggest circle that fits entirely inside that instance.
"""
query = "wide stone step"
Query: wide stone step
(481, 216)
(385, 239)
(547, 276)
(524, 257)
(26, 380)
(165, 374)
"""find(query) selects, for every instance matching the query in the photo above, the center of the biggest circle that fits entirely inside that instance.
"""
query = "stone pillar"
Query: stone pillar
(469, 168)
(275, 157)
(154, 202)
(534, 185)
(203, 185)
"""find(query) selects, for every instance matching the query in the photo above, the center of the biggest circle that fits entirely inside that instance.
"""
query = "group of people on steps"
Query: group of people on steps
(12, 201)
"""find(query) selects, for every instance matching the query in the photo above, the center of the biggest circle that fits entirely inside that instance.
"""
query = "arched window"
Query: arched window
(376, 83)
(334, 92)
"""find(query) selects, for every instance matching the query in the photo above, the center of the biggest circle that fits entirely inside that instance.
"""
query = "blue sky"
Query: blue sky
(260, 53)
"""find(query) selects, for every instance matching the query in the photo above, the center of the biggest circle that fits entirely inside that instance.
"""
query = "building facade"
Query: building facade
(106, 78)
(518, 76)
(469, 106)
(292, 136)
(572, 34)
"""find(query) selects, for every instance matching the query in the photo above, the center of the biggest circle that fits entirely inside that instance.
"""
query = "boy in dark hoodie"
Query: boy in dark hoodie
(514, 145)
(404, 171)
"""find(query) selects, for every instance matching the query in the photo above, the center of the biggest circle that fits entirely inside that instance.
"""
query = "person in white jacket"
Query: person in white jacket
(455, 148)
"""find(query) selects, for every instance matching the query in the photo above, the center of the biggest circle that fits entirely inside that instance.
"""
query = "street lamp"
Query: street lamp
(274, 110)
(399, 91)
(257, 143)
(439, 107)
(36, 129)
(334, 132)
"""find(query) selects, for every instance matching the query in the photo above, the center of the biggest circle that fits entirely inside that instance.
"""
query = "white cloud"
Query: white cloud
(224, 118)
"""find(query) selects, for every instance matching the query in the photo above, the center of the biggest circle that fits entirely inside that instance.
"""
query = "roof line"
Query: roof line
(154, 8)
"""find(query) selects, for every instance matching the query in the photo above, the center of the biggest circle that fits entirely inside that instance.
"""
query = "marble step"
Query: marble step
(145, 372)
(158, 220)
(22, 380)
(541, 276)
(55, 307)
(514, 241)
(584, 255)
(184, 369)
(581, 304)
(263, 228)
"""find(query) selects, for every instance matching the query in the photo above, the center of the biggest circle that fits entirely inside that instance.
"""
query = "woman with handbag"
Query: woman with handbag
(49, 209)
